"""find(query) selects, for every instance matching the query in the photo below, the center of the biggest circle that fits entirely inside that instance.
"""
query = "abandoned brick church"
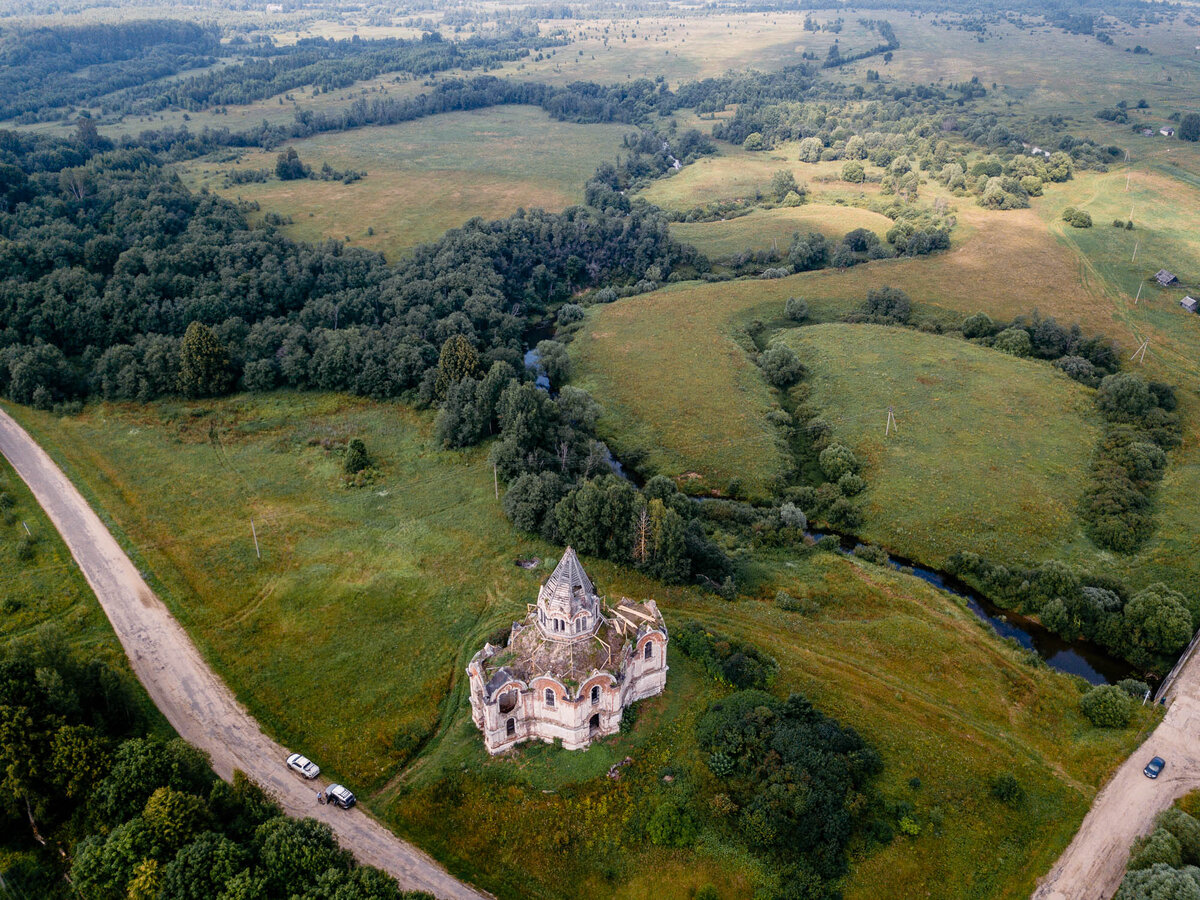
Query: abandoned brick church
(570, 668)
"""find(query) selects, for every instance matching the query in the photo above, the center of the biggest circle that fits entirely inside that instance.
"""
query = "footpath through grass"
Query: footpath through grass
(991, 453)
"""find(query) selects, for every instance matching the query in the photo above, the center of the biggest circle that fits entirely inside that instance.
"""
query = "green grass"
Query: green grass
(405, 579)
(44, 596)
(426, 176)
(991, 454)
(764, 229)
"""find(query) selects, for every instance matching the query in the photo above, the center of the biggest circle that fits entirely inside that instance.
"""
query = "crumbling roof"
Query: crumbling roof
(1164, 277)
(569, 584)
(530, 653)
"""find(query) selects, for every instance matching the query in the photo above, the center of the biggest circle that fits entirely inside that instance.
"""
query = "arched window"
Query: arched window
(649, 649)
(549, 696)
(511, 727)
(595, 694)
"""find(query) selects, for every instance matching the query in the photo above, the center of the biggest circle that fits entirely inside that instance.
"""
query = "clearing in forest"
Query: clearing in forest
(424, 177)
(990, 454)
(764, 229)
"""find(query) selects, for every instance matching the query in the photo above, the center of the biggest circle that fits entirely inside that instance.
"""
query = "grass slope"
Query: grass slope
(767, 228)
(992, 452)
(354, 628)
(425, 177)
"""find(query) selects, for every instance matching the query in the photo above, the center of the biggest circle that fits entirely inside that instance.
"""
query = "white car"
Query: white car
(340, 796)
(303, 765)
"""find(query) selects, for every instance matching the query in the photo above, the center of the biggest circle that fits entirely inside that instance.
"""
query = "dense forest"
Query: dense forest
(49, 68)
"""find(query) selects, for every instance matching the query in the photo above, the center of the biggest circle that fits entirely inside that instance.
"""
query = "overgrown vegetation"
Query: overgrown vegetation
(94, 807)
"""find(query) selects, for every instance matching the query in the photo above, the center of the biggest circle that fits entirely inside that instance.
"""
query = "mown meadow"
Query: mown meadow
(405, 577)
(422, 177)
(990, 452)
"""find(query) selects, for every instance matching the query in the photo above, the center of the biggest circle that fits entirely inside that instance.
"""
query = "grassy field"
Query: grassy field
(425, 177)
(707, 412)
(992, 451)
(407, 577)
(763, 229)
(44, 597)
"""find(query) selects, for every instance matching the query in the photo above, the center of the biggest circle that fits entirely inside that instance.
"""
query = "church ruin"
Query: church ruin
(570, 668)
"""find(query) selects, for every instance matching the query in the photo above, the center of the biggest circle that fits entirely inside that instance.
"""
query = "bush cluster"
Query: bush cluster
(1147, 628)
(759, 748)
(1085, 359)
(1141, 425)
(727, 660)
(1163, 864)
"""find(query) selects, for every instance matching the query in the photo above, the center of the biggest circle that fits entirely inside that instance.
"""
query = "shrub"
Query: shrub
(1081, 219)
(837, 460)
(978, 326)
(851, 485)
(357, 459)
(1107, 706)
(1007, 789)
(1134, 688)
(781, 365)
(790, 603)
(888, 303)
(569, 313)
(871, 553)
(796, 309)
(1160, 882)
(1014, 341)
(1158, 847)
(792, 516)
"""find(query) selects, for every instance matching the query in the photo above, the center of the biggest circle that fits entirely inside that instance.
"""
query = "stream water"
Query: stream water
(1073, 657)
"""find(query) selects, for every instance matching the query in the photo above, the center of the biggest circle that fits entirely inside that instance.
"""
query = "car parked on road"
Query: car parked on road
(340, 796)
(1154, 767)
(303, 765)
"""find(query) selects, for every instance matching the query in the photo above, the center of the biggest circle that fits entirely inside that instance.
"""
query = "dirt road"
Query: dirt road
(1091, 868)
(194, 700)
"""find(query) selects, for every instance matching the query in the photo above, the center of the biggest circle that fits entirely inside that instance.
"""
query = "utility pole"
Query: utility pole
(1139, 295)
(1139, 355)
(254, 532)
(1135, 246)
(891, 423)
(495, 481)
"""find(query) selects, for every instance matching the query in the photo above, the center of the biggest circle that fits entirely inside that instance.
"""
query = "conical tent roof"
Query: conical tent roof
(569, 584)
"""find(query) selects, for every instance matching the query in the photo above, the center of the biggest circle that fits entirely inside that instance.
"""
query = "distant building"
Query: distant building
(1167, 132)
(1148, 132)
(1165, 278)
(1190, 304)
(570, 668)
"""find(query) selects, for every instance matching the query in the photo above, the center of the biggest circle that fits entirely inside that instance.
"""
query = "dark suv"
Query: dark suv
(1154, 767)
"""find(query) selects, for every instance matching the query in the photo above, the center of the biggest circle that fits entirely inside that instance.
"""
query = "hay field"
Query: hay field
(991, 454)
(763, 229)
(424, 177)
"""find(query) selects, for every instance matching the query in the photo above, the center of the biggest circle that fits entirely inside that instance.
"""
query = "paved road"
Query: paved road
(1091, 868)
(194, 700)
